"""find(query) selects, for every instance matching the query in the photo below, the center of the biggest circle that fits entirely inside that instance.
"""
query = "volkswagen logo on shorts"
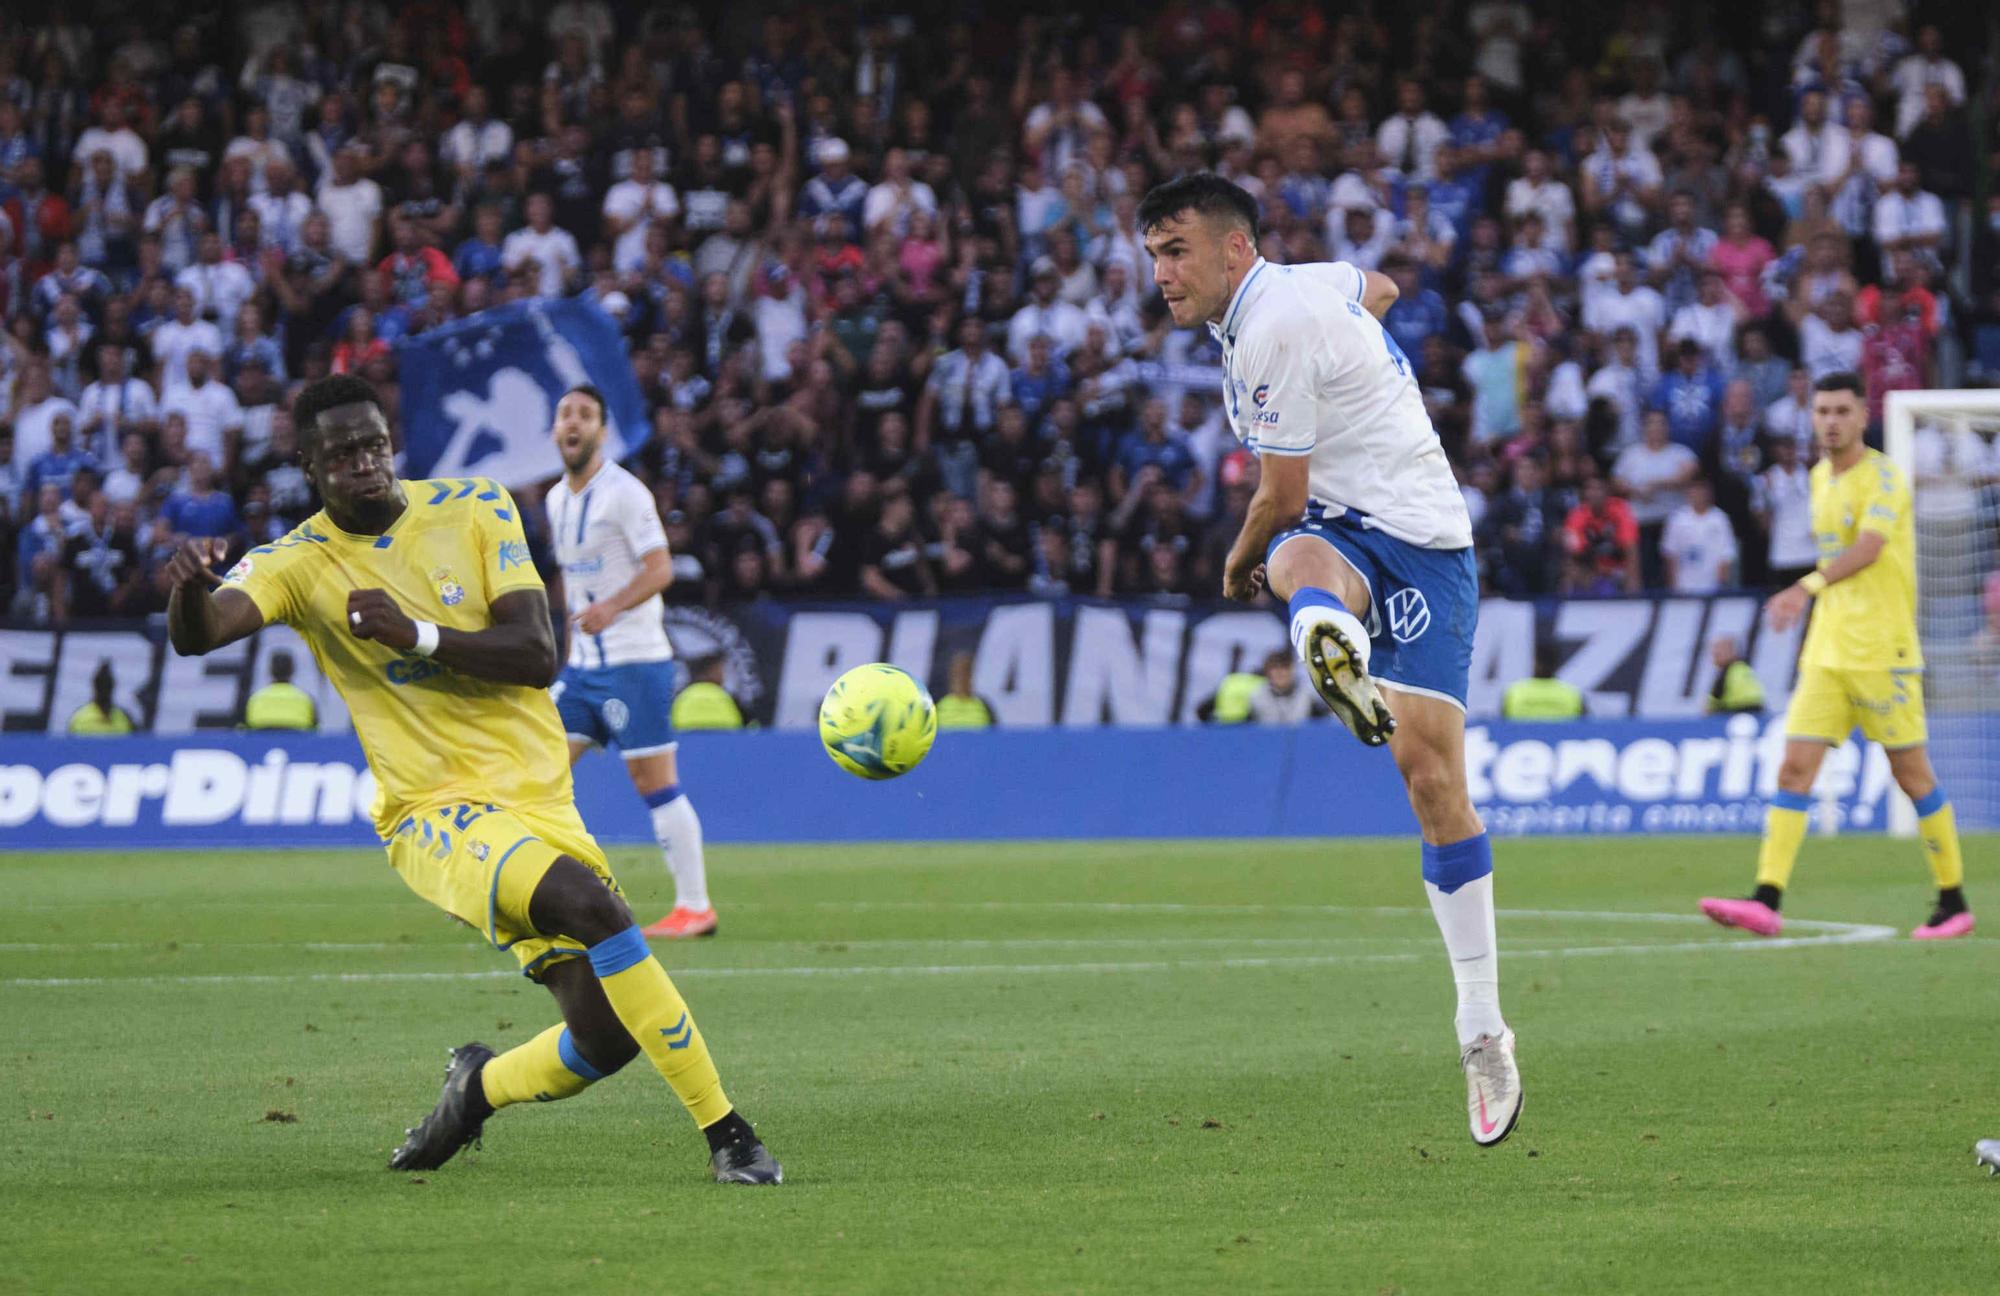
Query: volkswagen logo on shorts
(1409, 615)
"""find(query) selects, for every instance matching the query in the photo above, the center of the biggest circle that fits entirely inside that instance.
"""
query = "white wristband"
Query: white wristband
(427, 638)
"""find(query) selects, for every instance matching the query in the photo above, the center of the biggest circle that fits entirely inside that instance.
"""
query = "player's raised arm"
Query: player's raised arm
(518, 648)
(202, 613)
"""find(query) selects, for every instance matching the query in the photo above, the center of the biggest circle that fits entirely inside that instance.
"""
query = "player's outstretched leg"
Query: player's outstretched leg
(1323, 590)
(1429, 747)
(1937, 828)
(1784, 833)
(586, 1046)
(573, 901)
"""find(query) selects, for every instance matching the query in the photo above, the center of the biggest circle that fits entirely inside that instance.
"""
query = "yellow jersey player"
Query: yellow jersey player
(419, 601)
(1861, 664)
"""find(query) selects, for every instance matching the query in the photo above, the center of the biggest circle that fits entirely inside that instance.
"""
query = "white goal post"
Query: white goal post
(1945, 443)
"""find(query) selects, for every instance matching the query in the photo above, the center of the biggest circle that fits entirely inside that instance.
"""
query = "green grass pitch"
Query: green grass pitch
(1160, 1067)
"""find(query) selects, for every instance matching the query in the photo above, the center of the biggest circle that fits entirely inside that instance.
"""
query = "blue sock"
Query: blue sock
(1451, 866)
(654, 800)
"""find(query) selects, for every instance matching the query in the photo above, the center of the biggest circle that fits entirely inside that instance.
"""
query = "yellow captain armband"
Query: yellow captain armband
(1812, 583)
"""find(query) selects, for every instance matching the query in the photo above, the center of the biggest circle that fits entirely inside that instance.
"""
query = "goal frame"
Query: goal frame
(1900, 412)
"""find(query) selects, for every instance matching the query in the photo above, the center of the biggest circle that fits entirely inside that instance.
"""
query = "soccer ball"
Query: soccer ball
(877, 722)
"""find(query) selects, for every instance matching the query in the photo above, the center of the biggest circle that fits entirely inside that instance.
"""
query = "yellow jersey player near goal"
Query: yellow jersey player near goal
(422, 606)
(1861, 665)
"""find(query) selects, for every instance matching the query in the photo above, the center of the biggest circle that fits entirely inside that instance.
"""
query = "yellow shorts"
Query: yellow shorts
(1829, 702)
(482, 863)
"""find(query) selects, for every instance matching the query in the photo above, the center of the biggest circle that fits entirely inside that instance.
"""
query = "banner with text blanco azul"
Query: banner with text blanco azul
(1039, 662)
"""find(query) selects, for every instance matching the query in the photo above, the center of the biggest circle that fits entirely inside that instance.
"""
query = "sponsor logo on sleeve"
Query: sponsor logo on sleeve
(513, 554)
(241, 571)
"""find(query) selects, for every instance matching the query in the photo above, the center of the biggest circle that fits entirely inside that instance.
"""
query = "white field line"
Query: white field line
(1827, 933)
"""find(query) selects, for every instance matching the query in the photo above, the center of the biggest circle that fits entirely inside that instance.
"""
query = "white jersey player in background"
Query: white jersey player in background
(618, 685)
(1358, 522)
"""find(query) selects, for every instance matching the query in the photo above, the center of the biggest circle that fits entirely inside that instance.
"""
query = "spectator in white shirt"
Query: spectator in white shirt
(551, 251)
(172, 341)
(1828, 340)
(633, 206)
(1917, 73)
(258, 146)
(1360, 235)
(1789, 418)
(1698, 545)
(1409, 139)
(889, 204)
(282, 208)
(1784, 507)
(177, 218)
(213, 415)
(1710, 320)
(1619, 382)
(1653, 476)
(353, 205)
(35, 410)
(1907, 219)
(477, 139)
(220, 287)
(1537, 190)
(1817, 146)
(114, 406)
(113, 136)
(1046, 312)
(1630, 304)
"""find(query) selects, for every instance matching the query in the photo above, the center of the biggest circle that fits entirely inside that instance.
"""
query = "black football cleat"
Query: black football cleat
(747, 1161)
(451, 1124)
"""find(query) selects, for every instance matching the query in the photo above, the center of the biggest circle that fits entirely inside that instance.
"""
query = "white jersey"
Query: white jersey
(1307, 371)
(600, 533)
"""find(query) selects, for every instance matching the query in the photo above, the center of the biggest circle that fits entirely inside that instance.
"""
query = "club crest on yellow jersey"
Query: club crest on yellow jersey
(450, 592)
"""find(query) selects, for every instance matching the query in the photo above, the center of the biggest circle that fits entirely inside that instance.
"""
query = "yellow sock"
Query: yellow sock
(1784, 832)
(653, 1011)
(545, 1069)
(1937, 827)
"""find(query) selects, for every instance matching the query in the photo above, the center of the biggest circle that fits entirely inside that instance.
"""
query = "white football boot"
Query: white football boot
(1492, 1087)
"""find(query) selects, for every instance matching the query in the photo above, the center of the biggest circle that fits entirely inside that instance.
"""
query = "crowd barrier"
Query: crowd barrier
(235, 790)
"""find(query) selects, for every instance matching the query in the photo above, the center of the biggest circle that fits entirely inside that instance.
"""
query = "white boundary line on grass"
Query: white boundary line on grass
(1826, 933)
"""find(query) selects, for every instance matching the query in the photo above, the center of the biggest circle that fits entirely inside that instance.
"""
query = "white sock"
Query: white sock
(1465, 920)
(678, 828)
(1346, 622)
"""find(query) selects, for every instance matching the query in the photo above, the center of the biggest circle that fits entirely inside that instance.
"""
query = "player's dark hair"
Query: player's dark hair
(1841, 380)
(1204, 193)
(590, 390)
(328, 393)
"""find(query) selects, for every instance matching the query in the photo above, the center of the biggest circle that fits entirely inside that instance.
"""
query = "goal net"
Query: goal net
(1948, 444)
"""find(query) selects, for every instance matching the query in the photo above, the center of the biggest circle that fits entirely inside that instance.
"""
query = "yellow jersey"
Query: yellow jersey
(432, 736)
(1869, 620)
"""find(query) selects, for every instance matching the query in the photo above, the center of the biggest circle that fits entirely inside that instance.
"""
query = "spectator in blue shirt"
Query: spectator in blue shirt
(1453, 193)
(1418, 313)
(57, 466)
(479, 256)
(1042, 380)
(835, 188)
(1690, 395)
(1476, 131)
(1150, 445)
(198, 510)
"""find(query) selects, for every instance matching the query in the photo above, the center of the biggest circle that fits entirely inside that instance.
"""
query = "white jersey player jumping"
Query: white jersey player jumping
(1358, 522)
(618, 686)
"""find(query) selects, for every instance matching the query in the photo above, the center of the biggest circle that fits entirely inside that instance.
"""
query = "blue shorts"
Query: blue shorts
(1423, 604)
(626, 707)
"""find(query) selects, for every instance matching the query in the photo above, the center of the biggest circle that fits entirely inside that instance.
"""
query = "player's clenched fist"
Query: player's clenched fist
(191, 560)
(1243, 585)
(372, 614)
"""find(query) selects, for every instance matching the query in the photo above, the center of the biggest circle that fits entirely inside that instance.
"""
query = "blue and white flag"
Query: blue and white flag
(479, 394)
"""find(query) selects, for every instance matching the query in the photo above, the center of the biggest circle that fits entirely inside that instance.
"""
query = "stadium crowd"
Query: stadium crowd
(883, 291)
